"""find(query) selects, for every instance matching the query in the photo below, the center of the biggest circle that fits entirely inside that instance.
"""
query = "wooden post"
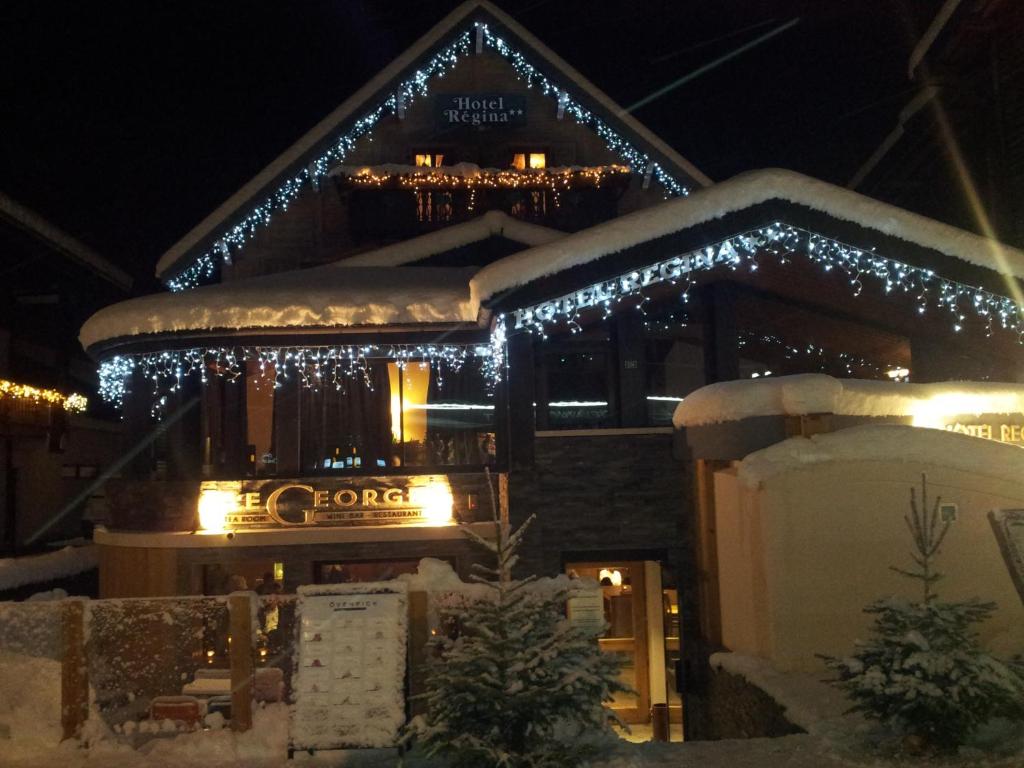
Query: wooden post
(709, 607)
(719, 326)
(628, 331)
(240, 611)
(520, 401)
(419, 636)
(74, 671)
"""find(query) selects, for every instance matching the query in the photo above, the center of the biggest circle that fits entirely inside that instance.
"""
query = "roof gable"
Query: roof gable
(472, 27)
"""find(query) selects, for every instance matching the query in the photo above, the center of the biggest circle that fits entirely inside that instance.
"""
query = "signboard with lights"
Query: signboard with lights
(308, 502)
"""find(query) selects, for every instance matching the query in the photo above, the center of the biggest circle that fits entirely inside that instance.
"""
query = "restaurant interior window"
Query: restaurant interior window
(675, 363)
(573, 391)
(259, 417)
(442, 415)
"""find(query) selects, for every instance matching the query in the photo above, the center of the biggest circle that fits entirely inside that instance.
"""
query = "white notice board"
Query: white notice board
(350, 679)
(585, 608)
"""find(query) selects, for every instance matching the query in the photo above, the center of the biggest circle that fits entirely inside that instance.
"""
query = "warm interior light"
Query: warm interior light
(538, 160)
(519, 161)
(898, 373)
(415, 389)
(214, 507)
(436, 501)
(614, 577)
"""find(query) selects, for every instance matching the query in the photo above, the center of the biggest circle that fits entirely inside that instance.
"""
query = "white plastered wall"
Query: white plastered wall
(800, 555)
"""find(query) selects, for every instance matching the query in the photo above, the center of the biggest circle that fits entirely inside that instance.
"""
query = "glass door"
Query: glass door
(623, 588)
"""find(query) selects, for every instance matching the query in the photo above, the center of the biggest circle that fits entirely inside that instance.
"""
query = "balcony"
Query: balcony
(389, 202)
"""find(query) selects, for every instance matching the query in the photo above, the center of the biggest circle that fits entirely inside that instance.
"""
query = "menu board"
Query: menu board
(1008, 525)
(350, 678)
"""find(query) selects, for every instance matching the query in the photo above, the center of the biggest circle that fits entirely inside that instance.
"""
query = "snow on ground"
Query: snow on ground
(738, 193)
(886, 443)
(35, 569)
(316, 297)
(808, 393)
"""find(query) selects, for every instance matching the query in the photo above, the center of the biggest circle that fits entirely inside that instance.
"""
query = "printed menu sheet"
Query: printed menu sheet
(350, 679)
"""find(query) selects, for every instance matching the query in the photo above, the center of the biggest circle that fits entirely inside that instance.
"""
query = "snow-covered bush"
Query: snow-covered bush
(520, 687)
(923, 673)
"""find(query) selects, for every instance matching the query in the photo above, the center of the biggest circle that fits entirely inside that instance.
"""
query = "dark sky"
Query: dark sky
(126, 123)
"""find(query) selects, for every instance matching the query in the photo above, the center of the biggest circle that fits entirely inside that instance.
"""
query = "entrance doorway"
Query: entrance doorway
(643, 620)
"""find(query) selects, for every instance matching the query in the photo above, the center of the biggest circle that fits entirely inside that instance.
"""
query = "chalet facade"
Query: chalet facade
(490, 290)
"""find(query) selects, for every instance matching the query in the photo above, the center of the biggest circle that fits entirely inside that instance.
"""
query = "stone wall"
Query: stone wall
(729, 707)
(620, 494)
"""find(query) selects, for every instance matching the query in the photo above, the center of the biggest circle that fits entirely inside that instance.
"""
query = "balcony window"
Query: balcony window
(429, 159)
(533, 160)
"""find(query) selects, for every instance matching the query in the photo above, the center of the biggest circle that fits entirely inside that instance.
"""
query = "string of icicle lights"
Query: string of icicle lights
(785, 243)
(335, 367)
(204, 266)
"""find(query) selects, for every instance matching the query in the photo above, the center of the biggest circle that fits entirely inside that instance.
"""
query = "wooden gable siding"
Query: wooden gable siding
(316, 229)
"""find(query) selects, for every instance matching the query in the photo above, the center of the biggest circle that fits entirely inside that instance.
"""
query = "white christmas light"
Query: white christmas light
(204, 266)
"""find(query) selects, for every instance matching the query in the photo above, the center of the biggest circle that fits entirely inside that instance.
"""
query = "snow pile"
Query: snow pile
(491, 224)
(35, 569)
(888, 443)
(736, 194)
(317, 297)
(29, 705)
(266, 742)
(808, 393)
(807, 701)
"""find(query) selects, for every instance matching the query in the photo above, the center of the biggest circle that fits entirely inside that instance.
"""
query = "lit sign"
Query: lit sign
(999, 431)
(480, 109)
(424, 500)
(604, 293)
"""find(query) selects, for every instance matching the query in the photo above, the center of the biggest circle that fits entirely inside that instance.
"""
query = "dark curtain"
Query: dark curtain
(354, 420)
(458, 436)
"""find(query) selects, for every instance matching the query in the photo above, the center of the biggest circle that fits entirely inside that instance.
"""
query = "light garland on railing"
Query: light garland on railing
(315, 367)
(488, 178)
(73, 403)
(783, 242)
(205, 265)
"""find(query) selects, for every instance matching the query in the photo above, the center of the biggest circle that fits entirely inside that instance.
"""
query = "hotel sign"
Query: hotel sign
(363, 501)
(997, 428)
(480, 109)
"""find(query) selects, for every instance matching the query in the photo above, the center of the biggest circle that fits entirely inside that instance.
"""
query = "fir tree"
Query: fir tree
(520, 687)
(923, 672)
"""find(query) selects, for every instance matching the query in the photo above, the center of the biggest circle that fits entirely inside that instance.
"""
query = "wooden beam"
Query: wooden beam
(241, 654)
(628, 332)
(709, 606)
(74, 669)
(521, 397)
(721, 333)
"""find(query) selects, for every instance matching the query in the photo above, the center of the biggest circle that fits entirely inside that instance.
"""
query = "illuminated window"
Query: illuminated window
(429, 160)
(534, 160)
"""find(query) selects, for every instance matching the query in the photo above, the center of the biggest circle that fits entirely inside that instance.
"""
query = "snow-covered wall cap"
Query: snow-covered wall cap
(736, 194)
(926, 404)
(491, 224)
(888, 444)
(317, 297)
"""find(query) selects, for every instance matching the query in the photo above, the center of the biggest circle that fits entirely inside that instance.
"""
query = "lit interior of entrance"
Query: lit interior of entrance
(641, 609)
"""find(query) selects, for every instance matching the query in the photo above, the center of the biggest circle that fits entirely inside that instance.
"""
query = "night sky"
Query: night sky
(126, 123)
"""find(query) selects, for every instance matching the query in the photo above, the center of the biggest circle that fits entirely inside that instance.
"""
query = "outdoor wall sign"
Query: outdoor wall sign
(344, 502)
(480, 109)
(349, 686)
(998, 428)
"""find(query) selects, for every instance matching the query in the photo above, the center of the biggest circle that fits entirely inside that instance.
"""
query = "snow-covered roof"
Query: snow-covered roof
(304, 149)
(886, 443)
(307, 298)
(491, 224)
(740, 192)
(809, 393)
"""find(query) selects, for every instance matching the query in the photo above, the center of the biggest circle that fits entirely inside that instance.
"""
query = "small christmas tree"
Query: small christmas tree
(923, 672)
(520, 685)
